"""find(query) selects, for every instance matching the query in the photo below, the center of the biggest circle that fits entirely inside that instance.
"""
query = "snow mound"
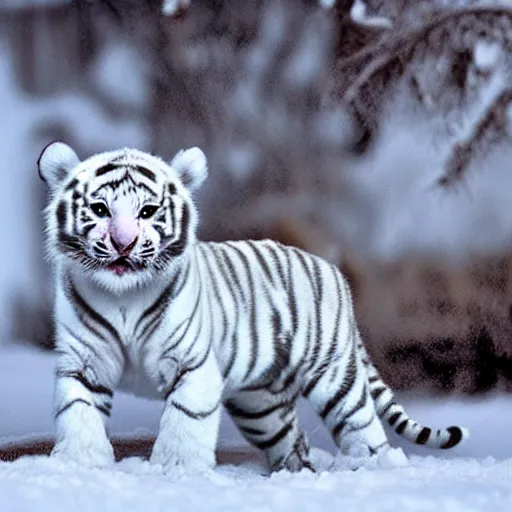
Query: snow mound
(463, 479)
(428, 483)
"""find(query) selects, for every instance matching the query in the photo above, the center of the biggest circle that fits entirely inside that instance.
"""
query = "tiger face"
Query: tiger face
(122, 216)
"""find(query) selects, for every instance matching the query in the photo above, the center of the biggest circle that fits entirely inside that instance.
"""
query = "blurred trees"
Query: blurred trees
(353, 130)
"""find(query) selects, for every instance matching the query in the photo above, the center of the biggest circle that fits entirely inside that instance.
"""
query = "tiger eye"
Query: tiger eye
(100, 210)
(148, 211)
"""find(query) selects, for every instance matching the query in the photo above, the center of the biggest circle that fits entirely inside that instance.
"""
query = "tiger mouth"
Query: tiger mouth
(121, 266)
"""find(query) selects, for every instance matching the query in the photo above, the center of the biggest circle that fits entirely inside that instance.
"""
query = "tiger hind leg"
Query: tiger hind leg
(347, 409)
(272, 427)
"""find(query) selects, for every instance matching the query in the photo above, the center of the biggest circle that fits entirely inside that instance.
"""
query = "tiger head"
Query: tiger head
(123, 217)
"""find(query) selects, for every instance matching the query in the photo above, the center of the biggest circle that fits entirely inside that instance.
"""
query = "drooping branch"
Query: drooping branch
(489, 131)
(436, 64)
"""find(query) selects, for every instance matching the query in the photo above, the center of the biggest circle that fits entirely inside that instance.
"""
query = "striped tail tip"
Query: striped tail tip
(457, 435)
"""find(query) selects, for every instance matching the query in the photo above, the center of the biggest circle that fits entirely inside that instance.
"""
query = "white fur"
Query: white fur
(191, 166)
(56, 162)
(247, 324)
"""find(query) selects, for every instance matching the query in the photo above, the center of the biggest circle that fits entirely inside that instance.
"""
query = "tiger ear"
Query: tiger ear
(56, 161)
(191, 166)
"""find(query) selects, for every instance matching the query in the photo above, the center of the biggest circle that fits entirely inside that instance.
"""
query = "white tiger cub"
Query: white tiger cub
(141, 305)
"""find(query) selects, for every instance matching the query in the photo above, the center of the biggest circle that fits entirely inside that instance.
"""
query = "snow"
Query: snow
(171, 7)
(41, 484)
(486, 55)
(474, 477)
(358, 15)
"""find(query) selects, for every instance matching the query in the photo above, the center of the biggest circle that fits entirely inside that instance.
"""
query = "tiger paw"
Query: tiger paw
(297, 459)
(176, 460)
(362, 457)
(392, 458)
(89, 454)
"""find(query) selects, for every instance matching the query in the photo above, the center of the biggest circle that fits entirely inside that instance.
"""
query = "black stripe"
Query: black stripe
(104, 409)
(362, 426)
(178, 246)
(355, 408)
(290, 379)
(377, 392)
(348, 381)
(93, 388)
(184, 279)
(335, 333)
(272, 249)
(194, 415)
(292, 300)
(251, 431)
(104, 169)
(176, 329)
(316, 298)
(386, 407)
(156, 309)
(73, 402)
(375, 449)
(72, 184)
(401, 427)
(150, 175)
(89, 346)
(158, 306)
(189, 321)
(307, 344)
(319, 373)
(333, 346)
(232, 272)
(70, 244)
(423, 436)
(394, 418)
(82, 306)
(455, 437)
(254, 333)
(256, 249)
(87, 228)
(263, 445)
(238, 412)
(74, 209)
(172, 214)
(61, 215)
(89, 327)
(150, 328)
(187, 368)
(226, 277)
(215, 286)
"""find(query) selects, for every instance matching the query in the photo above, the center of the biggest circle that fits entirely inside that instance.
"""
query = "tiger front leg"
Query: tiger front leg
(82, 408)
(190, 421)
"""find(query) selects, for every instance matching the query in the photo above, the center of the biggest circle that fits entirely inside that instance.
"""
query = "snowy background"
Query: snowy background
(248, 84)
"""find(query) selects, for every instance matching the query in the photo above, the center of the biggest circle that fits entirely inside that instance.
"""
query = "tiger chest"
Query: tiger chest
(143, 341)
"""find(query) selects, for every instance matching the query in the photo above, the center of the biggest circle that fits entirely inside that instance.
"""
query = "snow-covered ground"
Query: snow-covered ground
(474, 477)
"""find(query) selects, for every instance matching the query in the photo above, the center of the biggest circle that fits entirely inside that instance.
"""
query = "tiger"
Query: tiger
(142, 306)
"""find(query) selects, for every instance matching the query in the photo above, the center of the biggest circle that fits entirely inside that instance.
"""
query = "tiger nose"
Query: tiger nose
(122, 249)
(124, 235)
